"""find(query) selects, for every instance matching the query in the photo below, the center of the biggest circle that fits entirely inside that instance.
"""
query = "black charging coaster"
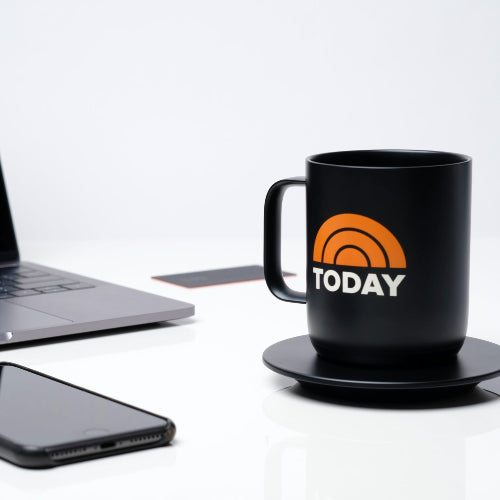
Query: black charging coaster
(478, 360)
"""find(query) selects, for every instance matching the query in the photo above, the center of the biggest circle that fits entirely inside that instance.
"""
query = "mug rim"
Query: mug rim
(328, 159)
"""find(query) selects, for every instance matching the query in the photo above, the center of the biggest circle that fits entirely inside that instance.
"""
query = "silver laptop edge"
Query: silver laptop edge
(97, 306)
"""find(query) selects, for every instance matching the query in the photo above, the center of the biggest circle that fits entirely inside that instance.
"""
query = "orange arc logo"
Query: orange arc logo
(356, 240)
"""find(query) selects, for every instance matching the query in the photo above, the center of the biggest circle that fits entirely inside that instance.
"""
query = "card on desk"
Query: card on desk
(216, 276)
(491, 385)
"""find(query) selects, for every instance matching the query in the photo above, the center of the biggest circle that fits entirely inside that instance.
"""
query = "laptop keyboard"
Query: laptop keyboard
(21, 281)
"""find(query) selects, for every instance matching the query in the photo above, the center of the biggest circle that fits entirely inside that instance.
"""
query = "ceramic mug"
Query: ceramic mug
(388, 235)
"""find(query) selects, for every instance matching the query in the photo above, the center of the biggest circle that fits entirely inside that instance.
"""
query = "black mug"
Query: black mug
(388, 236)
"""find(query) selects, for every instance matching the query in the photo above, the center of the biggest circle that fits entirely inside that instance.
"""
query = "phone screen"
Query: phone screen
(37, 411)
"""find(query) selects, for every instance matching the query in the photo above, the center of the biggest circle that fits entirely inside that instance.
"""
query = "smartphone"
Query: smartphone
(45, 422)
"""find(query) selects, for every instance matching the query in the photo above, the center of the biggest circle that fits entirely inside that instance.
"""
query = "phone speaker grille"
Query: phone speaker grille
(69, 453)
(72, 452)
(145, 439)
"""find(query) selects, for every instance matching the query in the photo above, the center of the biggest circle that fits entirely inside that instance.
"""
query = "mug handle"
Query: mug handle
(272, 241)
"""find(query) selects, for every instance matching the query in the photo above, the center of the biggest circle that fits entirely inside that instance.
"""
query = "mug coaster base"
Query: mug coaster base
(478, 360)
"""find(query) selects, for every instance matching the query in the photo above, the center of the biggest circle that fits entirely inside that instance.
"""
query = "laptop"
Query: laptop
(38, 302)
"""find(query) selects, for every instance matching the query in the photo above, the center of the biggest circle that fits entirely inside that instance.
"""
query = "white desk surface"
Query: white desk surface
(243, 433)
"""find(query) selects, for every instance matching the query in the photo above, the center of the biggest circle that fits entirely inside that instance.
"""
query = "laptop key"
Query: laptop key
(51, 289)
(32, 273)
(18, 269)
(13, 271)
(43, 284)
(25, 293)
(37, 279)
(5, 295)
(10, 275)
(78, 286)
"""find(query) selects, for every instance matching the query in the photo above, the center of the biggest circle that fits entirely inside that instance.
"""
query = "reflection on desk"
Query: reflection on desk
(406, 452)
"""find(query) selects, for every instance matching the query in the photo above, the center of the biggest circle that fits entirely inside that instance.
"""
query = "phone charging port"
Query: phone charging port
(108, 444)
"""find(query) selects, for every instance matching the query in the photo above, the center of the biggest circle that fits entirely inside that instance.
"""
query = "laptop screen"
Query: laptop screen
(8, 245)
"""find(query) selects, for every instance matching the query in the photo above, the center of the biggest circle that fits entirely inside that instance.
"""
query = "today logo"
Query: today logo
(357, 241)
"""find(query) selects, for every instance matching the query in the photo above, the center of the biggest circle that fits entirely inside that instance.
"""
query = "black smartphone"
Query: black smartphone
(46, 422)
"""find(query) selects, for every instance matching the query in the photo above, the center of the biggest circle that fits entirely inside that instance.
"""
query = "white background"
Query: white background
(145, 119)
(162, 121)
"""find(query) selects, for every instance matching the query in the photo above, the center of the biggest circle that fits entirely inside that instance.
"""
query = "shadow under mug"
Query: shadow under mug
(388, 236)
